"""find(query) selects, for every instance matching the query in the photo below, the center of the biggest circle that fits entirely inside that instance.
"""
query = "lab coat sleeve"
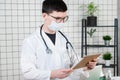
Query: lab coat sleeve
(28, 61)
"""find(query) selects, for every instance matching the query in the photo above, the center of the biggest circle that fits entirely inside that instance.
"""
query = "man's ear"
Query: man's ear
(44, 15)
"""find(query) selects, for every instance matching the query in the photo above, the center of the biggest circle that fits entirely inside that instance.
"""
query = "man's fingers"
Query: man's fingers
(94, 60)
(67, 70)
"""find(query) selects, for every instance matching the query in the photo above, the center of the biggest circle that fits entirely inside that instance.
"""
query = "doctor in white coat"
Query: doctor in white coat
(44, 55)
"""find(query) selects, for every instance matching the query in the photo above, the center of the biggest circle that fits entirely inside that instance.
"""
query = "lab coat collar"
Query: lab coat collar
(48, 40)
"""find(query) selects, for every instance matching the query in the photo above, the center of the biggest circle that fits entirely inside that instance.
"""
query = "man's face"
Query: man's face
(58, 17)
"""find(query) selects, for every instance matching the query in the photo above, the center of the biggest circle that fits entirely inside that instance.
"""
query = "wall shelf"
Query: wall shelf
(99, 46)
(111, 65)
(114, 46)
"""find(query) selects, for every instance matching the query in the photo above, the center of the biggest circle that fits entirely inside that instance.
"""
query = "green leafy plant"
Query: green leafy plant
(107, 37)
(107, 56)
(91, 9)
(91, 32)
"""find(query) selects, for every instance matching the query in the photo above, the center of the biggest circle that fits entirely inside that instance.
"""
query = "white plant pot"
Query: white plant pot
(107, 62)
(107, 42)
(90, 40)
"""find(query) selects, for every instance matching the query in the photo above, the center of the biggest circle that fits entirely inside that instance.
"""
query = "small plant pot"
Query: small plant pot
(107, 42)
(107, 62)
(91, 21)
(90, 41)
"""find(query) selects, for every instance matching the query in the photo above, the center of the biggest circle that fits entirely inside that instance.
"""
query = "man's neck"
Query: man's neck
(47, 30)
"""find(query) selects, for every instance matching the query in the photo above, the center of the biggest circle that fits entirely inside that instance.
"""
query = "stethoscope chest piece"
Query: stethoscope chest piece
(49, 51)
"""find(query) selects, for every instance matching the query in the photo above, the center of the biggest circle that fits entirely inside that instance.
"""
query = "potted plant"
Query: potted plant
(91, 18)
(107, 56)
(90, 33)
(107, 39)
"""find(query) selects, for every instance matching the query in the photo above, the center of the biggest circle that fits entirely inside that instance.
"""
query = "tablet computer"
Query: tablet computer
(85, 61)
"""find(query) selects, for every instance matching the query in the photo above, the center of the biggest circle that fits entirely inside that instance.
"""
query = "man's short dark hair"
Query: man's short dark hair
(53, 5)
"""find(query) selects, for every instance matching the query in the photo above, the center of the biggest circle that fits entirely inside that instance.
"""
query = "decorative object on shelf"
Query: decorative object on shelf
(90, 33)
(102, 78)
(109, 74)
(107, 56)
(107, 39)
(91, 18)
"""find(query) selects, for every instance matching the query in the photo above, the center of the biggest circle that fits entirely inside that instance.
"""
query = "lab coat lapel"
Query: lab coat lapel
(58, 46)
(58, 42)
(49, 42)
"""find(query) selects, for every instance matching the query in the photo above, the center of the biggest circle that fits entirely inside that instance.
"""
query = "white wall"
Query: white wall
(19, 18)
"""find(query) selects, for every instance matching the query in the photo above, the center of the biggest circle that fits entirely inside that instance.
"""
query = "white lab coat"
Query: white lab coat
(36, 64)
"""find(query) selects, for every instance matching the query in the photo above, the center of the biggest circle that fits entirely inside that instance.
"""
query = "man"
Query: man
(44, 54)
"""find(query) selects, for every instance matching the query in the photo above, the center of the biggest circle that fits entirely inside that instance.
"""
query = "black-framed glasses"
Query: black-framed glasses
(59, 19)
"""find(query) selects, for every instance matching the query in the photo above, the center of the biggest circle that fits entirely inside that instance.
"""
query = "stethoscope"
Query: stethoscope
(49, 51)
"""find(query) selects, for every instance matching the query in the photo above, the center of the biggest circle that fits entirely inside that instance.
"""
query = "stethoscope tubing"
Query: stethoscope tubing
(48, 50)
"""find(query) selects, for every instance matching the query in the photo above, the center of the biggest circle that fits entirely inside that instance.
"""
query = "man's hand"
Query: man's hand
(91, 64)
(60, 73)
